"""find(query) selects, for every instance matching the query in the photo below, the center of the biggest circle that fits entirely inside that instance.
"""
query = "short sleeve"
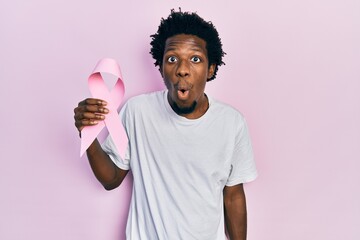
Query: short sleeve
(109, 147)
(243, 168)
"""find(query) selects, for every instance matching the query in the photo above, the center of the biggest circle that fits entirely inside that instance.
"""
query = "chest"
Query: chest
(200, 151)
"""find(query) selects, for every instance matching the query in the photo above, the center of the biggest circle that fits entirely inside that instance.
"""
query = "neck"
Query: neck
(200, 108)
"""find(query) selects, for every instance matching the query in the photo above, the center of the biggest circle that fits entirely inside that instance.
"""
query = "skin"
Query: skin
(89, 112)
(185, 70)
(235, 212)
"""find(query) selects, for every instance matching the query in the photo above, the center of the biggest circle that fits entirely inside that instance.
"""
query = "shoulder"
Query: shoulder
(145, 100)
(144, 104)
(226, 111)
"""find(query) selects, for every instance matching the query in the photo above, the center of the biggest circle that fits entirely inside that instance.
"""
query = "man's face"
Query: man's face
(185, 69)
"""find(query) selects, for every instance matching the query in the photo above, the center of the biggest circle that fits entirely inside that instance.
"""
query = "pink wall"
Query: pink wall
(292, 68)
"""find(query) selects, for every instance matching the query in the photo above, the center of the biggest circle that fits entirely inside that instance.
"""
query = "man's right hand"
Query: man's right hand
(89, 112)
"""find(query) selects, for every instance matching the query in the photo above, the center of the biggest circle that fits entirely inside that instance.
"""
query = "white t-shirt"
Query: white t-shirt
(180, 167)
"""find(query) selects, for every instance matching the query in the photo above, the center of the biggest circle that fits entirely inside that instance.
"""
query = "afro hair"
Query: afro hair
(191, 24)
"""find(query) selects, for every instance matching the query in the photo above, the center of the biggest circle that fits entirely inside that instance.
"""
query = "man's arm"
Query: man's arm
(89, 112)
(235, 212)
(105, 170)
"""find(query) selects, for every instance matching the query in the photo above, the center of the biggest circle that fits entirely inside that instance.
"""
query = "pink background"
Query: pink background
(292, 68)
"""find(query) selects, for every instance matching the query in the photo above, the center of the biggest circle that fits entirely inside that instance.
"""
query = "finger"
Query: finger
(91, 116)
(80, 124)
(88, 116)
(93, 101)
(90, 108)
(95, 109)
(89, 122)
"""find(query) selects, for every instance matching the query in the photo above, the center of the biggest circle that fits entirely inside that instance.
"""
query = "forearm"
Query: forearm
(108, 174)
(236, 224)
(236, 216)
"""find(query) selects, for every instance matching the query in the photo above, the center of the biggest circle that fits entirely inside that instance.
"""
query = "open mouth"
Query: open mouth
(183, 94)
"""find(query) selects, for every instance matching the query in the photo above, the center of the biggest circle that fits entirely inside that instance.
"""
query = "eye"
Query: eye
(196, 59)
(172, 59)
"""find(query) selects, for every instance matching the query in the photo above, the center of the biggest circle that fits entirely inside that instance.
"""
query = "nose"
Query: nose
(183, 69)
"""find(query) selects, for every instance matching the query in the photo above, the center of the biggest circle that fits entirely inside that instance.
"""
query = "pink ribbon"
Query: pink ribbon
(114, 98)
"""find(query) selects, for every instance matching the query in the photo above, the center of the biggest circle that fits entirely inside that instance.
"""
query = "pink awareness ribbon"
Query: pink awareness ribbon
(99, 90)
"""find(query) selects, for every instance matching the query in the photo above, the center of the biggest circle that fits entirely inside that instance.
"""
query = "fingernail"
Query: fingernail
(104, 103)
(94, 122)
(105, 110)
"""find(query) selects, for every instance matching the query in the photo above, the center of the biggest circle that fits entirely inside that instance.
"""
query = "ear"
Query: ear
(211, 70)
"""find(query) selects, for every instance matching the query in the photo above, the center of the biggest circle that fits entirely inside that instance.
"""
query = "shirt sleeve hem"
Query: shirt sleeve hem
(246, 179)
(119, 164)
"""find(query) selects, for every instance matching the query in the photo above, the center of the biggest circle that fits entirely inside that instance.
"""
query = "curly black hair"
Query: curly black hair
(192, 24)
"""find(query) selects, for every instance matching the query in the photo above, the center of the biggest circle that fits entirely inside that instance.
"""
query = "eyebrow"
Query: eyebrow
(171, 48)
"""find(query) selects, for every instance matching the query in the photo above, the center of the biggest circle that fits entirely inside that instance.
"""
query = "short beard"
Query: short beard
(184, 110)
